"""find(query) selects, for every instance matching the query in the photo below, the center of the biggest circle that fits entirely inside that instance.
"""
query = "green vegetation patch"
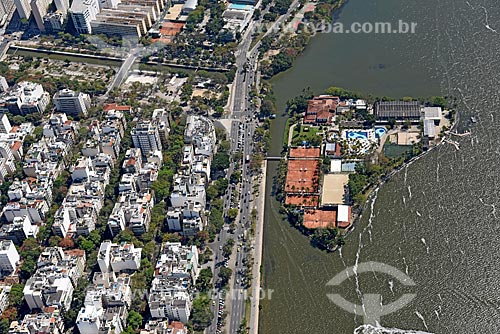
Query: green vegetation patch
(395, 151)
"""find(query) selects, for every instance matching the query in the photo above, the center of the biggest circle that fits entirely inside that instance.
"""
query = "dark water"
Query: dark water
(436, 220)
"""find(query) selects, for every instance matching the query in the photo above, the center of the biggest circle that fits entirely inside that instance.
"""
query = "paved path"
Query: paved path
(259, 234)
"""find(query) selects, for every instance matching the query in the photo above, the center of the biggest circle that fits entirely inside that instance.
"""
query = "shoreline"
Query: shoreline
(358, 209)
(372, 193)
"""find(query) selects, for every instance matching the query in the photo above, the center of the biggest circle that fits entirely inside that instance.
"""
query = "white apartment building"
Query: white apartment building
(24, 98)
(118, 258)
(23, 8)
(108, 3)
(71, 103)
(48, 290)
(83, 12)
(4, 297)
(9, 257)
(49, 321)
(56, 277)
(62, 6)
(146, 137)
(5, 126)
(4, 86)
(39, 8)
(171, 290)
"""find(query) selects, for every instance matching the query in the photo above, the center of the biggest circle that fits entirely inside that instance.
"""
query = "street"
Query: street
(243, 125)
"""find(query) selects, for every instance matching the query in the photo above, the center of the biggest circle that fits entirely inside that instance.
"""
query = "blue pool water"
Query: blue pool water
(356, 135)
(240, 6)
(379, 132)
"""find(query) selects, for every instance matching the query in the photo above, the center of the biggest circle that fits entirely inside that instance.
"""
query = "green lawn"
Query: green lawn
(395, 151)
(306, 133)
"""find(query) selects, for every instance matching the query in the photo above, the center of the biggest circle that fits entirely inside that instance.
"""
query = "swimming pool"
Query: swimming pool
(379, 132)
(356, 135)
(240, 6)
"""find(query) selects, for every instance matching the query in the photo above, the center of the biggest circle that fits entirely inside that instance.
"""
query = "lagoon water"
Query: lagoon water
(438, 220)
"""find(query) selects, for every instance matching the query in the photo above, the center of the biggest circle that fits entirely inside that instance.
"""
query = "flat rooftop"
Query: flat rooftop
(174, 12)
(333, 189)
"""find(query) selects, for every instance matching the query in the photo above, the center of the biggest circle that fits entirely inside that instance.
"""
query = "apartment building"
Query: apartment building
(71, 103)
(83, 12)
(24, 98)
(118, 258)
(55, 279)
(146, 137)
(9, 258)
(23, 8)
(171, 290)
(49, 321)
(39, 8)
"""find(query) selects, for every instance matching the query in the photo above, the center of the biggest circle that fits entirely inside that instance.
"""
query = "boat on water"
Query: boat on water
(473, 119)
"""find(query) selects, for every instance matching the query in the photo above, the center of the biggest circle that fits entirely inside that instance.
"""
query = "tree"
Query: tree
(9, 314)
(328, 238)
(54, 241)
(134, 319)
(212, 192)
(268, 108)
(67, 243)
(235, 177)
(16, 295)
(201, 315)
(85, 244)
(227, 249)
(204, 280)
(225, 275)
(29, 251)
(219, 162)
(232, 213)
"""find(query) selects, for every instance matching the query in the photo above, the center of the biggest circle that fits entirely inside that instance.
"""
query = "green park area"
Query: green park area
(306, 133)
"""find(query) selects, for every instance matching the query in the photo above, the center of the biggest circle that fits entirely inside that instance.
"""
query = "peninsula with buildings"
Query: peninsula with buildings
(339, 149)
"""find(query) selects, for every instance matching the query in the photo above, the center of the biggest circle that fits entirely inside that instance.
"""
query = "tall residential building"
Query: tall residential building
(9, 257)
(24, 98)
(109, 3)
(5, 126)
(39, 8)
(62, 5)
(23, 8)
(4, 86)
(54, 22)
(146, 137)
(71, 103)
(5, 8)
(82, 13)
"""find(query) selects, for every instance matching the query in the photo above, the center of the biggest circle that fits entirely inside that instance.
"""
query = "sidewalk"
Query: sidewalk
(259, 232)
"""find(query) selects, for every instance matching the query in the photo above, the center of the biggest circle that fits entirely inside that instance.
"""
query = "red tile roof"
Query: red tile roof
(302, 200)
(305, 152)
(320, 218)
(16, 146)
(114, 106)
(302, 176)
(321, 109)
